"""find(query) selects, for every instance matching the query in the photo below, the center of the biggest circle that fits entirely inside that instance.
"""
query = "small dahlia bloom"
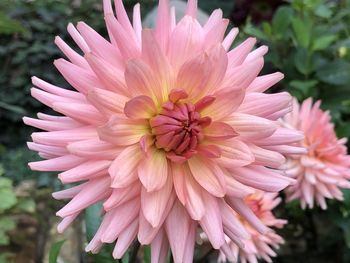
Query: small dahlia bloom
(259, 246)
(168, 127)
(326, 166)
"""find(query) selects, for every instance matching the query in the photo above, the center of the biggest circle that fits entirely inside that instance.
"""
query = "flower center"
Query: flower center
(178, 128)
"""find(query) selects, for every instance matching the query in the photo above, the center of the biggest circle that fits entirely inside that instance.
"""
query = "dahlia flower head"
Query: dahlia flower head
(258, 246)
(166, 127)
(325, 168)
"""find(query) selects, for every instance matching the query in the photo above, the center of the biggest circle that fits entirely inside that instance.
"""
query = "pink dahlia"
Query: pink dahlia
(167, 127)
(325, 167)
(258, 246)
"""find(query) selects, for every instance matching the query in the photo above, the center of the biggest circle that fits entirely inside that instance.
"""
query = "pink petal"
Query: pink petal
(159, 63)
(234, 153)
(86, 80)
(78, 39)
(146, 232)
(87, 170)
(64, 123)
(73, 56)
(120, 196)
(57, 90)
(250, 127)
(219, 131)
(177, 226)
(127, 43)
(226, 102)
(62, 138)
(85, 113)
(266, 158)
(94, 148)
(237, 55)
(261, 178)
(62, 163)
(68, 193)
(178, 175)
(141, 107)
(194, 201)
(100, 46)
(163, 24)
(140, 79)
(230, 37)
(159, 247)
(153, 171)
(268, 106)
(123, 132)
(242, 209)
(262, 83)
(107, 102)
(123, 168)
(185, 41)
(123, 215)
(281, 136)
(125, 239)
(242, 76)
(211, 223)
(208, 175)
(153, 204)
(111, 77)
(93, 192)
(231, 221)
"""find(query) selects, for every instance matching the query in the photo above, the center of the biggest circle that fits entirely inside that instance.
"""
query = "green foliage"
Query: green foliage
(309, 42)
(55, 251)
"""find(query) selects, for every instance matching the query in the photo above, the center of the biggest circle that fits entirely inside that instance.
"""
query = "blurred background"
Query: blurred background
(309, 41)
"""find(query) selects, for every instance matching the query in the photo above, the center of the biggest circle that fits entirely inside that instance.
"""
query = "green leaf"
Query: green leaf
(249, 29)
(305, 86)
(12, 108)
(4, 239)
(303, 62)
(281, 20)
(323, 42)
(55, 251)
(323, 11)
(26, 205)
(302, 31)
(336, 73)
(9, 25)
(8, 199)
(6, 224)
(5, 183)
(147, 254)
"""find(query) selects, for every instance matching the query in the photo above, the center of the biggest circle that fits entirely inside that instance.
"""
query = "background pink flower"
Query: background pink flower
(325, 168)
(259, 246)
(167, 127)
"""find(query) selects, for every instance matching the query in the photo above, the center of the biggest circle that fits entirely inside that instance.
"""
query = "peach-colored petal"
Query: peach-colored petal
(220, 131)
(153, 204)
(111, 77)
(185, 41)
(261, 178)
(250, 127)
(122, 131)
(212, 221)
(159, 247)
(208, 175)
(140, 107)
(226, 102)
(122, 170)
(177, 235)
(107, 102)
(153, 171)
